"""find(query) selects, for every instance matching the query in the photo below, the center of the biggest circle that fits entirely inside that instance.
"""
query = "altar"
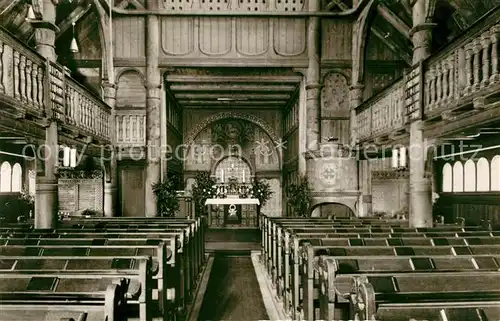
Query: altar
(232, 212)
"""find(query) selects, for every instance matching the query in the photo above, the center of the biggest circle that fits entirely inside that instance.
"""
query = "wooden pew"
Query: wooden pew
(99, 305)
(107, 288)
(186, 266)
(470, 295)
(276, 228)
(166, 276)
(292, 295)
(291, 242)
(311, 255)
(287, 265)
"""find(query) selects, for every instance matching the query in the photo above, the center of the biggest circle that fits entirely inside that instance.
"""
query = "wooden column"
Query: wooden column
(313, 86)
(420, 183)
(153, 78)
(110, 190)
(46, 201)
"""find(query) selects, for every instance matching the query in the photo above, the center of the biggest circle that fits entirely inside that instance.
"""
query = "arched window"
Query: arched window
(470, 176)
(495, 173)
(5, 177)
(17, 178)
(458, 177)
(447, 178)
(483, 175)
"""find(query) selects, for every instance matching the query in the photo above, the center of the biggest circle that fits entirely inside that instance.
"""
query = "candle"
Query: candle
(243, 176)
(222, 175)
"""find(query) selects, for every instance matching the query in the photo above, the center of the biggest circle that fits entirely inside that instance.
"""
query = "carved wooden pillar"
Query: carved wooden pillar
(476, 65)
(420, 184)
(485, 46)
(110, 189)
(46, 200)
(153, 103)
(494, 54)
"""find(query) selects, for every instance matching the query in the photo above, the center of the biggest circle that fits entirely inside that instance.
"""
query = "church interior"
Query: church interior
(188, 160)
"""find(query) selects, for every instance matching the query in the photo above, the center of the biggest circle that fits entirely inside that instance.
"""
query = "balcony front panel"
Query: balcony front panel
(465, 70)
(32, 85)
(382, 114)
(23, 84)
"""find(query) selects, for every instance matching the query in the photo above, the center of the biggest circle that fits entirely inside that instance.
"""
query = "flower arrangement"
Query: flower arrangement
(27, 197)
(261, 190)
(166, 197)
(299, 197)
(203, 189)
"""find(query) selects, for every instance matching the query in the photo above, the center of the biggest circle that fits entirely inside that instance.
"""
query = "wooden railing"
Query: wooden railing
(466, 69)
(382, 113)
(131, 127)
(29, 84)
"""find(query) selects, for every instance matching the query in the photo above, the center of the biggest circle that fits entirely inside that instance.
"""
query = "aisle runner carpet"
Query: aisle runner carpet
(233, 292)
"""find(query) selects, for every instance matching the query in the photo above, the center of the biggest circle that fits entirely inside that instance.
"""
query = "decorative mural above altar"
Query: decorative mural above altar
(236, 137)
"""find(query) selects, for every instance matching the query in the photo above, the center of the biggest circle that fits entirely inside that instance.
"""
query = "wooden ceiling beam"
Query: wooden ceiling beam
(232, 88)
(394, 20)
(232, 79)
(9, 7)
(188, 102)
(249, 96)
(74, 16)
(393, 46)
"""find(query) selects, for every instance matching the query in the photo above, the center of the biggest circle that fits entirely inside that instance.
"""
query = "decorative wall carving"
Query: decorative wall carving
(235, 115)
(334, 95)
(335, 108)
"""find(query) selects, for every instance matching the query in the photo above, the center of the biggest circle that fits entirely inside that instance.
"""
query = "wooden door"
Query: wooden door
(132, 193)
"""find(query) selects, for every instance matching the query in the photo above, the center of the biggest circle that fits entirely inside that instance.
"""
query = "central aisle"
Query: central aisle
(233, 292)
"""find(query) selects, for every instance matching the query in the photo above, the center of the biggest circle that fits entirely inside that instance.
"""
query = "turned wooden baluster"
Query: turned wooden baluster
(76, 111)
(494, 54)
(16, 75)
(29, 87)
(485, 46)
(22, 78)
(74, 106)
(451, 77)
(439, 83)
(476, 49)
(427, 90)
(445, 70)
(432, 75)
(468, 68)
(34, 85)
(87, 114)
(68, 105)
(2, 88)
(40, 79)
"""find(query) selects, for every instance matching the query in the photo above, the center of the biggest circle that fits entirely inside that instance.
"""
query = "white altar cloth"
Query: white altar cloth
(231, 201)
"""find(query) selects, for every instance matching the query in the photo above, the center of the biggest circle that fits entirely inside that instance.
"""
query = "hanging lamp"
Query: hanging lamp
(30, 15)
(74, 46)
